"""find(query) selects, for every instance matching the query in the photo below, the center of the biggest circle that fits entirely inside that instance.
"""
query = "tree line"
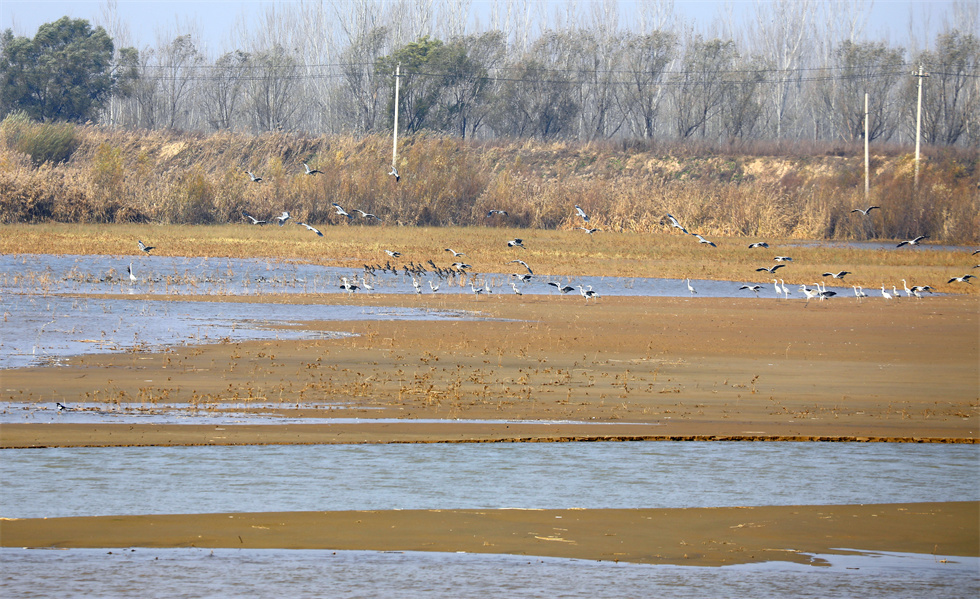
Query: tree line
(783, 77)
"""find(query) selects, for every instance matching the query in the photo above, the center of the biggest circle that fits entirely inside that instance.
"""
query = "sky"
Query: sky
(217, 19)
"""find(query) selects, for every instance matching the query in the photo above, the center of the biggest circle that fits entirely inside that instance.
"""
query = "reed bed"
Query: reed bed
(87, 174)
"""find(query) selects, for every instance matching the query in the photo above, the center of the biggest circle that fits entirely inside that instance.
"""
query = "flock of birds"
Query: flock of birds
(460, 271)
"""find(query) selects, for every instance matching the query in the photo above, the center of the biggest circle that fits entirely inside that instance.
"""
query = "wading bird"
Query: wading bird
(753, 288)
(867, 210)
(859, 292)
(758, 244)
(885, 294)
(963, 279)
(129, 269)
(254, 220)
(394, 173)
(146, 248)
(253, 177)
(839, 275)
(580, 212)
(915, 241)
(282, 218)
(690, 288)
(677, 225)
(562, 288)
(703, 240)
(310, 171)
(433, 287)
(319, 234)
(513, 286)
(588, 293)
(516, 243)
(770, 269)
(367, 286)
(524, 264)
(786, 290)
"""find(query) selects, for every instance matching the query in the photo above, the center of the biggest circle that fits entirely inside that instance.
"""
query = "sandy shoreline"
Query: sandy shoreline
(693, 536)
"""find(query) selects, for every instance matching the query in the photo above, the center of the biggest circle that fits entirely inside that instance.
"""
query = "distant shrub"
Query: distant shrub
(43, 142)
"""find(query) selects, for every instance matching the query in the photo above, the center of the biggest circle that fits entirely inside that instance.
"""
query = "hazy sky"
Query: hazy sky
(216, 19)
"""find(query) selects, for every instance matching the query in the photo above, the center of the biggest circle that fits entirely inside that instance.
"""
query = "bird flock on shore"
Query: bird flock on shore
(460, 273)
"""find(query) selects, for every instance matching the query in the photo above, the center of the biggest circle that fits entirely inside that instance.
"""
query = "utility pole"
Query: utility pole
(867, 162)
(394, 139)
(918, 123)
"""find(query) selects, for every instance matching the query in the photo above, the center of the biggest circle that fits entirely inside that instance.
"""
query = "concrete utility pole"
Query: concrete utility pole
(867, 162)
(918, 123)
(394, 139)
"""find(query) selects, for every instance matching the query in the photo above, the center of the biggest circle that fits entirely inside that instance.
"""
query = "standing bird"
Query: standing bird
(885, 294)
(859, 292)
(867, 210)
(588, 293)
(912, 242)
(770, 269)
(758, 244)
(677, 225)
(129, 269)
(517, 290)
(516, 243)
(561, 288)
(253, 177)
(690, 288)
(786, 290)
(146, 248)
(310, 171)
(254, 220)
(394, 173)
(524, 264)
(340, 211)
(319, 234)
(839, 275)
(433, 287)
(703, 240)
(282, 218)
(366, 285)
(580, 212)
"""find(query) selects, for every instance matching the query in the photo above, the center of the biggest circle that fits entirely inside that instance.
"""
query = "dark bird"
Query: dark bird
(581, 213)
(758, 244)
(319, 234)
(676, 224)
(770, 269)
(394, 173)
(515, 243)
(839, 275)
(61, 407)
(253, 177)
(867, 210)
(310, 171)
(913, 241)
(254, 220)
(144, 247)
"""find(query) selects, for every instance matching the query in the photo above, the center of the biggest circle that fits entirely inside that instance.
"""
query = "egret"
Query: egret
(580, 212)
(677, 225)
(315, 230)
(963, 279)
(253, 177)
(885, 294)
(867, 210)
(809, 293)
(340, 211)
(690, 288)
(310, 171)
(254, 220)
(896, 293)
(911, 242)
(786, 290)
(146, 248)
(524, 264)
(132, 277)
(908, 292)
(859, 292)
(758, 244)
(513, 286)
(775, 285)
(417, 285)
(394, 173)
(433, 287)
(366, 285)
(771, 269)
(703, 240)
(839, 275)
(282, 218)
(516, 243)
(588, 293)
(455, 253)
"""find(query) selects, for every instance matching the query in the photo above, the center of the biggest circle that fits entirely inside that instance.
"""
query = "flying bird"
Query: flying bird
(495, 212)
(753, 288)
(839, 275)
(771, 269)
(866, 210)
(758, 244)
(254, 220)
(253, 177)
(676, 224)
(562, 288)
(146, 248)
(515, 243)
(703, 240)
(394, 173)
(282, 218)
(963, 279)
(587, 230)
(319, 234)
(581, 213)
(393, 254)
(340, 211)
(310, 171)
(461, 265)
(783, 259)
(366, 214)
(455, 253)
(524, 264)
(913, 241)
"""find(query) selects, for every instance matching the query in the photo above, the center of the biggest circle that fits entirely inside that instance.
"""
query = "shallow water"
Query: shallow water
(140, 480)
(185, 572)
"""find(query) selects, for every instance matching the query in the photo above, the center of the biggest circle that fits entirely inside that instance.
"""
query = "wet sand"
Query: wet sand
(618, 368)
(696, 536)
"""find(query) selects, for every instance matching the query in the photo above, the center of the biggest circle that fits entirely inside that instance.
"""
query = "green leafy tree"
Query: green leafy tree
(421, 85)
(64, 73)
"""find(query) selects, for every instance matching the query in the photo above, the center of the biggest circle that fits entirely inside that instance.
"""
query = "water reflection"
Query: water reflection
(140, 480)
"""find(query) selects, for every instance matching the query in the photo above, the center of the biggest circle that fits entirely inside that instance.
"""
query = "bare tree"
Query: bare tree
(645, 62)
(859, 68)
(702, 84)
(950, 102)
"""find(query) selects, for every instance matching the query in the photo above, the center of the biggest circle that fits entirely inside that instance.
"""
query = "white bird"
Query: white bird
(433, 287)
(365, 284)
(254, 220)
(867, 210)
(913, 241)
(677, 225)
(524, 264)
(963, 279)
(703, 240)
(525, 278)
(347, 286)
(588, 293)
(340, 211)
(62, 407)
(859, 292)
(823, 293)
(394, 173)
(562, 288)
(495, 212)
(129, 269)
(366, 214)
(758, 244)
(146, 248)
(753, 288)
(455, 253)
(786, 291)
(417, 285)
(587, 230)
(253, 177)
(315, 230)
(839, 275)
(393, 254)
(783, 259)
(809, 293)
(515, 243)
(908, 292)
(581, 213)
(282, 218)
(514, 287)
(896, 293)
(310, 171)
(690, 288)
(461, 265)
(770, 269)
(775, 285)
(885, 294)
